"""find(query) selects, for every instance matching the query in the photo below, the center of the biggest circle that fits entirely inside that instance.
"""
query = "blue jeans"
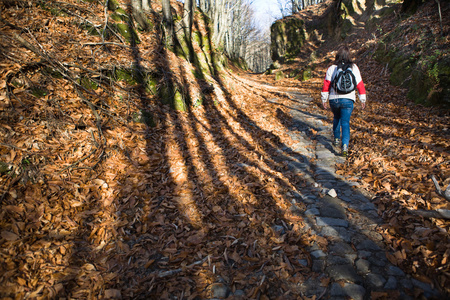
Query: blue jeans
(342, 110)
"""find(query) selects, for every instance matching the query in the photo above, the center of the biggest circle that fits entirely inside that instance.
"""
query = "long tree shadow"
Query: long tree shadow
(335, 228)
(345, 230)
(213, 202)
(202, 219)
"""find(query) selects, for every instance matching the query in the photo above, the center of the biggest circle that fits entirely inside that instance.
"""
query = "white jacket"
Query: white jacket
(329, 93)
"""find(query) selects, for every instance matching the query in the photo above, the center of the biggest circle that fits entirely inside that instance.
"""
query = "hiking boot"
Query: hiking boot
(344, 150)
(336, 142)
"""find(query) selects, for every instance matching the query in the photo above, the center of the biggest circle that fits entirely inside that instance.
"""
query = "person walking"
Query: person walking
(341, 81)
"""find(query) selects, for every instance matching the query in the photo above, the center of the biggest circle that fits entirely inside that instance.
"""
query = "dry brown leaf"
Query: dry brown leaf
(9, 236)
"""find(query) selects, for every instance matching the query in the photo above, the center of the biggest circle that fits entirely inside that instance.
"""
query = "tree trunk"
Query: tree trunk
(205, 6)
(138, 14)
(168, 22)
(295, 6)
(188, 17)
(146, 5)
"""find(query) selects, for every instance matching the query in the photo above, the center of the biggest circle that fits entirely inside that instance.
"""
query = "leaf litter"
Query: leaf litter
(104, 207)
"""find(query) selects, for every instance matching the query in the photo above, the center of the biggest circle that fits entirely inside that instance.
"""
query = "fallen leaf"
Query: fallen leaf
(9, 236)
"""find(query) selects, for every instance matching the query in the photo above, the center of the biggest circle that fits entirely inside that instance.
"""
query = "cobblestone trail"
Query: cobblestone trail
(355, 258)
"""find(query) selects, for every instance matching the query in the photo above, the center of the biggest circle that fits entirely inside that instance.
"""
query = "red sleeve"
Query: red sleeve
(361, 88)
(326, 86)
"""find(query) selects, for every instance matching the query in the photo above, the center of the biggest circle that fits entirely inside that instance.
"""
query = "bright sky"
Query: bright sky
(266, 12)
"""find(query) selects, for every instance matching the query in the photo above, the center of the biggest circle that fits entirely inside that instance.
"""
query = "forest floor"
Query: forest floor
(231, 198)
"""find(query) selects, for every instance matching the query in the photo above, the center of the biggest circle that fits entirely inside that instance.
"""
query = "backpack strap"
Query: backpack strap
(346, 66)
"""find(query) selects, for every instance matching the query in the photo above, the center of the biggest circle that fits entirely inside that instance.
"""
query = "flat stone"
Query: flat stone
(332, 193)
(341, 248)
(239, 293)
(377, 261)
(343, 272)
(350, 257)
(391, 284)
(338, 233)
(336, 290)
(364, 254)
(381, 255)
(345, 198)
(318, 266)
(363, 266)
(219, 290)
(303, 262)
(324, 154)
(444, 212)
(337, 260)
(330, 232)
(323, 221)
(395, 271)
(297, 167)
(325, 165)
(375, 280)
(318, 254)
(326, 180)
(367, 245)
(312, 211)
(311, 197)
(354, 291)
(336, 203)
(332, 212)
(279, 229)
(327, 171)
(368, 206)
(360, 197)
(307, 201)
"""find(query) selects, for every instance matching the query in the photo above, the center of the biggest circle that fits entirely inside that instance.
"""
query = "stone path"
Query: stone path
(354, 258)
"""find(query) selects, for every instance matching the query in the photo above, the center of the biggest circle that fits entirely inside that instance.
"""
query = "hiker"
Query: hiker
(341, 81)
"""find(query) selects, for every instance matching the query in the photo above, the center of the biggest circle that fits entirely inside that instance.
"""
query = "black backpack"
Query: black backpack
(344, 82)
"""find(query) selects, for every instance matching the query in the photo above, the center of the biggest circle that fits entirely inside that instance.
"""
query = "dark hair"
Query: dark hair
(343, 56)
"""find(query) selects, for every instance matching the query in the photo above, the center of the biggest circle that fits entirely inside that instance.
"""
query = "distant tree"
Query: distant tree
(205, 6)
(440, 16)
(257, 53)
(285, 7)
(235, 31)
(297, 5)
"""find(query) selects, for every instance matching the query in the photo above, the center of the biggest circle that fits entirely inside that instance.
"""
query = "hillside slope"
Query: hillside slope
(396, 145)
(412, 47)
(128, 172)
